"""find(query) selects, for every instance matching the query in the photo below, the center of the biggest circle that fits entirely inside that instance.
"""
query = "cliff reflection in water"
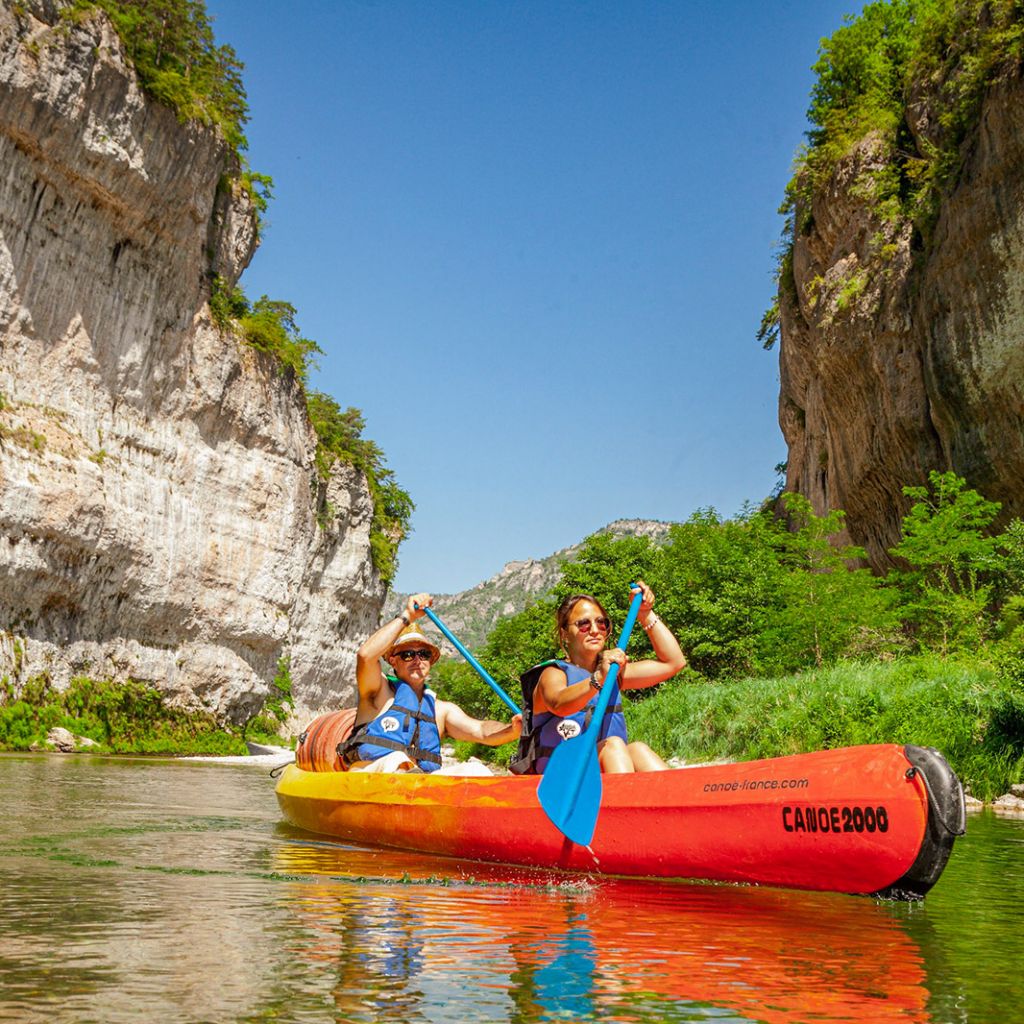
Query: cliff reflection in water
(533, 951)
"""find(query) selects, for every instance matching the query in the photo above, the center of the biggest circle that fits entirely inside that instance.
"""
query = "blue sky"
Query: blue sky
(534, 240)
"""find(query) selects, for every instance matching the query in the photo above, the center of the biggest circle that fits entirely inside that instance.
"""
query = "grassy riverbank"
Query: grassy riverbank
(969, 712)
(119, 718)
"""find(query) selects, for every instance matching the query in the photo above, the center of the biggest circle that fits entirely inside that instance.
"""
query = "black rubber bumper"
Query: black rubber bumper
(947, 819)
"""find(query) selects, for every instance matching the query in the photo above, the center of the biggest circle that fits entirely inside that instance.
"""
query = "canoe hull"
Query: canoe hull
(856, 820)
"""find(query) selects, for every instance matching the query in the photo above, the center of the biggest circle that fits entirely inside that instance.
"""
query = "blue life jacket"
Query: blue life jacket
(406, 724)
(544, 730)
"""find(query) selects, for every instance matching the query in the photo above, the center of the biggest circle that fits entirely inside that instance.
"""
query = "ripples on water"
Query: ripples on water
(136, 890)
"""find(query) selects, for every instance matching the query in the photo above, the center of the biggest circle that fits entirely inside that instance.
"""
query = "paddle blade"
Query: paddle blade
(570, 789)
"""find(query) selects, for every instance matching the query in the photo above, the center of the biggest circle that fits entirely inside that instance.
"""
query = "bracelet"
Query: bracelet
(652, 621)
(594, 684)
(404, 618)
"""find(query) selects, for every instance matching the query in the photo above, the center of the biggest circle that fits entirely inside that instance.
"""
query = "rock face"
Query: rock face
(894, 366)
(157, 491)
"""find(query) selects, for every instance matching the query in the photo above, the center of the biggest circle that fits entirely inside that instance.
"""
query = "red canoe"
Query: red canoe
(871, 819)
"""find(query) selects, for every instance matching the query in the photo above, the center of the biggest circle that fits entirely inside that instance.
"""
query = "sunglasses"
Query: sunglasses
(420, 652)
(583, 625)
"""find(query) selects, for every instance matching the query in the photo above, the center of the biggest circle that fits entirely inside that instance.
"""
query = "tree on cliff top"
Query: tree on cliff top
(171, 45)
(899, 53)
(900, 61)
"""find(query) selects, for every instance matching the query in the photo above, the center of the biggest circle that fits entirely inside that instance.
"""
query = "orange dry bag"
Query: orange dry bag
(317, 749)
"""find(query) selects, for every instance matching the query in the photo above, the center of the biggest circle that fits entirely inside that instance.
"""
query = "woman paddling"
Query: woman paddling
(559, 696)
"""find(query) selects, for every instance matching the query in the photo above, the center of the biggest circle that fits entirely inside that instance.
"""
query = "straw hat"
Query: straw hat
(413, 636)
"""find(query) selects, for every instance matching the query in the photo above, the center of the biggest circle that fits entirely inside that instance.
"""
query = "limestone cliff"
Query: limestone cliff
(158, 496)
(900, 356)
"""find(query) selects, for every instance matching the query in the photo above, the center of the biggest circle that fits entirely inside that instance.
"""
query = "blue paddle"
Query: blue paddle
(570, 790)
(469, 657)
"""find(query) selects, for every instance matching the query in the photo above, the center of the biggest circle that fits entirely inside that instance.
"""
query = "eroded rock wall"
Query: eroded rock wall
(896, 360)
(157, 492)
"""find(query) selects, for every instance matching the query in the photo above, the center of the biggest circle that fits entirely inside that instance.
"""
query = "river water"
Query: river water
(156, 890)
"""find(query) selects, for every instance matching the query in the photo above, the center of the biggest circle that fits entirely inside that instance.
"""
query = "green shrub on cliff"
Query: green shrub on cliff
(861, 77)
(911, 74)
(170, 43)
(339, 438)
(269, 326)
(937, 55)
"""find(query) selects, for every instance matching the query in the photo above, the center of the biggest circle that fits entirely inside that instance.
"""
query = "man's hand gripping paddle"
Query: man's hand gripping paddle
(570, 790)
(469, 657)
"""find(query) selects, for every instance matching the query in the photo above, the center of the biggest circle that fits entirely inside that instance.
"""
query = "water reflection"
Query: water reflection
(371, 948)
(577, 950)
(559, 985)
(132, 891)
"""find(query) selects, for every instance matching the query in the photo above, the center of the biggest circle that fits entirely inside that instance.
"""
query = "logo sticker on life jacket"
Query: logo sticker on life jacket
(390, 724)
(568, 728)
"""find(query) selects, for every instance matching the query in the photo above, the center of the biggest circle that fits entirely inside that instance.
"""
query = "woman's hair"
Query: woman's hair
(565, 610)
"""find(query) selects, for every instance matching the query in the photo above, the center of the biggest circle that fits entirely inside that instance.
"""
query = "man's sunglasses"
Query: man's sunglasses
(583, 625)
(419, 652)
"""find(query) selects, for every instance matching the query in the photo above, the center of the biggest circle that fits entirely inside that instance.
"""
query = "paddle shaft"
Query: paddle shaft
(481, 672)
(593, 730)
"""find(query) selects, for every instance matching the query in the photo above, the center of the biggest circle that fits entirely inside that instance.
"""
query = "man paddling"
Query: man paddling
(400, 722)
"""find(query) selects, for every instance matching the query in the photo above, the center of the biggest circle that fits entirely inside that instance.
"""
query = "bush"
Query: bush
(339, 439)
(971, 713)
(951, 564)
(269, 326)
(170, 43)
(125, 718)
(19, 727)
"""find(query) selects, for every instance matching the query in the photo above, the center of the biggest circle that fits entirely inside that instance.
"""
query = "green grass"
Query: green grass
(121, 718)
(971, 713)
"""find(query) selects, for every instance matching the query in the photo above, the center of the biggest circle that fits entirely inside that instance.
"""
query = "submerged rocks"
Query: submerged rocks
(1009, 804)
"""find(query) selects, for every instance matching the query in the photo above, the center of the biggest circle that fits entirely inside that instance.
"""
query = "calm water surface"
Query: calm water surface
(138, 890)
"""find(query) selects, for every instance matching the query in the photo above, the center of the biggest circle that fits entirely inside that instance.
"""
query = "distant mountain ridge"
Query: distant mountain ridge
(472, 614)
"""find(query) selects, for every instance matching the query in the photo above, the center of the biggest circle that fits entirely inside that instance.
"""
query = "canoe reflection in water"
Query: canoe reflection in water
(562, 985)
(372, 947)
(525, 946)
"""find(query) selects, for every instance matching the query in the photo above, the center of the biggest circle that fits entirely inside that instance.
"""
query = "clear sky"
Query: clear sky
(534, 240)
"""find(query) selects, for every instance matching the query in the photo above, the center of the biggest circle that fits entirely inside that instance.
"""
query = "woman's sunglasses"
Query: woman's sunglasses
(419, 652)
(583, 625)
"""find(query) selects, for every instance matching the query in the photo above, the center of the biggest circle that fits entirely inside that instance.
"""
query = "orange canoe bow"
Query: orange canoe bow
(877, 819)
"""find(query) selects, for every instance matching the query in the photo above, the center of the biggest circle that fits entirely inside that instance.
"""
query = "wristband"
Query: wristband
(404, 618)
